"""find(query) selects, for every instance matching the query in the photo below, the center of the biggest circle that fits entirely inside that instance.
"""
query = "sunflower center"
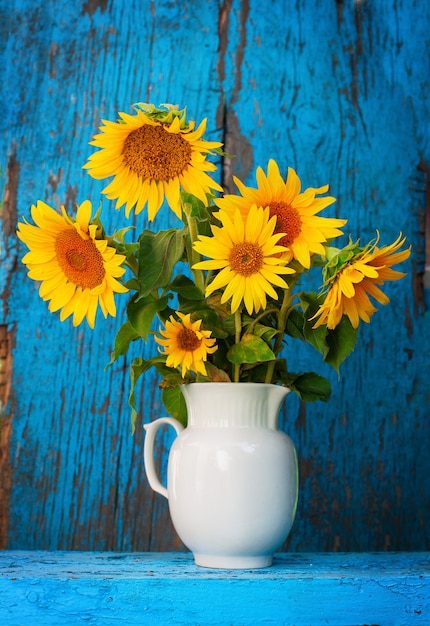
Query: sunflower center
(153, 153)
(288, 221)
(80, 260)
(246, 258)
(188, 340)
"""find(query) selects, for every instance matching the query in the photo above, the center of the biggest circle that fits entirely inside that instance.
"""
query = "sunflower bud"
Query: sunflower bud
(164, 115)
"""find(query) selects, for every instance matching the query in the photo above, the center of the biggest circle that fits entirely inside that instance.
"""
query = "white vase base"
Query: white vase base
(232, 562)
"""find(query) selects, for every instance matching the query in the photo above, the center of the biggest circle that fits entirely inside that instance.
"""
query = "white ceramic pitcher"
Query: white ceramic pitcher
(232, 478)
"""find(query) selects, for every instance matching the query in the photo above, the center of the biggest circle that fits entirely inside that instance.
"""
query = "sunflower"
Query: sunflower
(355, 280)
(246, 252)
(186, 344)
(304, 231)
(78, 272)
(152, 155)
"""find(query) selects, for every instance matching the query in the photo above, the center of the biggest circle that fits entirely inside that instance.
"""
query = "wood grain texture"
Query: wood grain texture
(301, 589)
(337, 90)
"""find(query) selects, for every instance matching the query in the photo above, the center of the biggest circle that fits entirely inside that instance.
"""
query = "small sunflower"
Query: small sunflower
(246, 252)
(295, 212)
(78, 272)
(152, 155)
(356, 279)
(186, 344)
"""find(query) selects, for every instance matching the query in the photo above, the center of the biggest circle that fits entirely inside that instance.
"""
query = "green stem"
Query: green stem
(194, 257)
(281, 325)
(132, 263)
(238, 332)
(260, 317)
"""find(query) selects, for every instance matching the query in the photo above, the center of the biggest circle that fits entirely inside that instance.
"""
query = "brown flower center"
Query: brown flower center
(288, 221)
(153, 153)
(188, 340)
(80, 260)
(246, 258)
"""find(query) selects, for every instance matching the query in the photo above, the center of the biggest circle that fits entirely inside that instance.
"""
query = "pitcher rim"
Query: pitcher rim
(243, 383)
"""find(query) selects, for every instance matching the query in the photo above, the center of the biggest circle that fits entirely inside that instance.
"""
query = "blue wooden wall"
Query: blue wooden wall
(339, 90)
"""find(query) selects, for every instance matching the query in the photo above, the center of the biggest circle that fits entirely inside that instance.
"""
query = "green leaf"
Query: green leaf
(185, 287)
(141, 312)
(265, 332)
(198, 209)
(250, 349)
(311, 386)
(213, 375)
(137, 368)
(295, 323)
(174, 403)
(340, 342)
(210, 320)
(315, 336)
(158, 254)
(197, 212)
(100, 232)
(171, 379)
(119, 235)
(222, 310)
(132, 284)
(165, 314)
(124, 337)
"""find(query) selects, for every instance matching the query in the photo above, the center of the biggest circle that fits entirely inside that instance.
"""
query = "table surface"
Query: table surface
(338, 589)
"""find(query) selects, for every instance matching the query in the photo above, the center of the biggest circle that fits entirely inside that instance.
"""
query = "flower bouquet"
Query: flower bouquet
(223, 293)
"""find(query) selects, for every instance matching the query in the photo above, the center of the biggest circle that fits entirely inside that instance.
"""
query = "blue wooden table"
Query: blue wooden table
(107, 588)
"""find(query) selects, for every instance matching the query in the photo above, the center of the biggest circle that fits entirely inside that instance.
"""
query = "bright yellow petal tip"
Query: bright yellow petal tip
(305, 232)
(151, 156)
(357, 279)
(185, 344)
(77, 272)
(249, 259)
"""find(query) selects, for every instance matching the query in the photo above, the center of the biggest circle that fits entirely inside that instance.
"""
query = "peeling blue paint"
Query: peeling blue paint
(338, 91)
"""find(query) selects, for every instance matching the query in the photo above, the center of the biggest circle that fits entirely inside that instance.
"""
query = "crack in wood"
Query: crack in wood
(5, 366)
(421, 279)
(235, 143)
(9, 214)
(5, 432)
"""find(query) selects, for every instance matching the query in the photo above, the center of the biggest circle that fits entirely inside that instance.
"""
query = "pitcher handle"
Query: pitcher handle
(148, 451)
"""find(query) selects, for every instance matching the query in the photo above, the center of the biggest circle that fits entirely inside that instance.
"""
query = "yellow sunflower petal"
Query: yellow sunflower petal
(184, 344)
(248, 259)
(356, 280)
(77, 272)
(304, 232)
(150, 161)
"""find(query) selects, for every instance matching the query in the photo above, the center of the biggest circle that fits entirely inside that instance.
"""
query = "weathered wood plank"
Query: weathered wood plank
(301, 589)
(337, 90)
